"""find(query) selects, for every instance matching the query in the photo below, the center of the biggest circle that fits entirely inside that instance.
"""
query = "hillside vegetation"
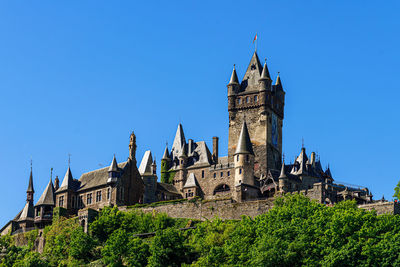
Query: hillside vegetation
(296, 232)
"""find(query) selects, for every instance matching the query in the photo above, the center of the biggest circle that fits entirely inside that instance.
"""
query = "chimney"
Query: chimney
(56, 183)
(312, 159)
(215, 149)
(190, 147)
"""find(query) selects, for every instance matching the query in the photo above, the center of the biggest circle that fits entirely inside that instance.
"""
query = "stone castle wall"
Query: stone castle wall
(226, 209)
(205, 210)
(382, 207)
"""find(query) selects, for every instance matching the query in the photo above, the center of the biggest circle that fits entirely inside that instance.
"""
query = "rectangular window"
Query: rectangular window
(215, 175)
(239, 101)
(202, 174)
(61, 201)
(108, 193)
(98, 196)
(255, 98)
(80, 204)
(222, 174)
(89, 198)
(240, 171)
(229, 173)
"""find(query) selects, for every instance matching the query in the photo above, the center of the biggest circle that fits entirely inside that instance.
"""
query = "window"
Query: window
(202, 174)
(215, 175)
(237, 158)
(37, 211)
(239, 101)
(89, 198)
(247, 99)
(255, 98)
(108, 193)
(98, 196)
(61, 201)
(222, 174)
(229, 173)
(80, 201)
(240, 171)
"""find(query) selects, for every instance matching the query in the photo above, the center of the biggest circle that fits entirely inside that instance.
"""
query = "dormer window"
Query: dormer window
(239, 101)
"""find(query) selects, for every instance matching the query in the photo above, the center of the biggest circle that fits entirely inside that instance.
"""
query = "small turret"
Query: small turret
(265, 79)
(244, 158)
(165, 165)
(283, 179)
(30, 191)
(233, 85)
(113, 171)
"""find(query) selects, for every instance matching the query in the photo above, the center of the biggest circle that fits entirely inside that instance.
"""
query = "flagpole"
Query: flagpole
(256, 42)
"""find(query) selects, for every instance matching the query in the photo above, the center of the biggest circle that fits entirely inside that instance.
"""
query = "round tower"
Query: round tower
(244, 159)
(233, 88)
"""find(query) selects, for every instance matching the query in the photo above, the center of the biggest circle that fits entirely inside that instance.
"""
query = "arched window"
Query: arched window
(221, 188)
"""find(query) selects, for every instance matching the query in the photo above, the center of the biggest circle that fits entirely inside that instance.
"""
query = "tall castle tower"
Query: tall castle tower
(261, 105)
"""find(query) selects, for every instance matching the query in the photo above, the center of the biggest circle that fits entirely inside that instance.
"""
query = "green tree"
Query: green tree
(168, 248)
(397, 191)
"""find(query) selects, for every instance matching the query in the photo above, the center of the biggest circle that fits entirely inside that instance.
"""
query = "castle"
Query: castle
(252, 170)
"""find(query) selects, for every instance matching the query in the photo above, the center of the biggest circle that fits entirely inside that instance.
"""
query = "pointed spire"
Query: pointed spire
(166, 153)
(179, 141)
(251, 78)
(47, 198)
(302, 160)
(191, 181)
(114, 165)
(68, 181)
(234, 78)
(30, 185)
(328, 172)
(145, 164)
(278, 80)
(244, 145)
(283, 174)
(265, 73)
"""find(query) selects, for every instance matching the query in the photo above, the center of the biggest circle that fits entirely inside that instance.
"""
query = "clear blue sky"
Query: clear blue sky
(78, 76)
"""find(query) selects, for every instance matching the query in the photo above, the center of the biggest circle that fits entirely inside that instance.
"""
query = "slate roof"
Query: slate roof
(167, 188)
(191, 181)
(252, 75)
(145, 164)
(166, 153)
(27, 213)
(114, 166)
(30, 185)
(244, 145)
(179, 142)
(265, 73)
(68, 183)
(47, 197)
(234, 78)
(97, 177)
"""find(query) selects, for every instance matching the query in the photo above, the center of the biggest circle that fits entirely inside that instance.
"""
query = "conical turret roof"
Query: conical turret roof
(234, 78)
(67, 182)
(27, 213)
(166, 153)
(265, 73)
(244, 145)
(283, 173)
(30, 185)
(278, 81)
(47, 198)
(114, 166)
(328, 172)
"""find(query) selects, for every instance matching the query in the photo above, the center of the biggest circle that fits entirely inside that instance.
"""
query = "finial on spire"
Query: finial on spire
(69, 160)
(51, 173)
(302, 142)
(31, 163)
